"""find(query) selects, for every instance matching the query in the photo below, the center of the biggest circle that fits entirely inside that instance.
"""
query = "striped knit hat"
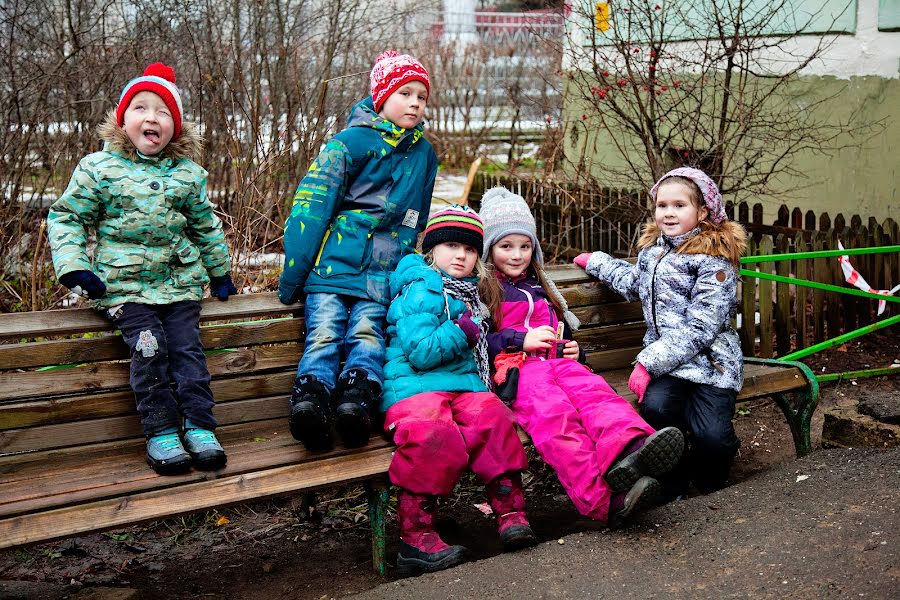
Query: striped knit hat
(454, 224)
(391, 72)
(159, 79)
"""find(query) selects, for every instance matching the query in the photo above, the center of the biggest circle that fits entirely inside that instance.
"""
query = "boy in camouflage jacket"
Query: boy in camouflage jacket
(158, 244)
(356, 213)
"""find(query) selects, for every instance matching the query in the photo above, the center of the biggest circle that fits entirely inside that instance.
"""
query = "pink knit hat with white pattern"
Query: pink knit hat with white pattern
(391, 72)
(712, 198)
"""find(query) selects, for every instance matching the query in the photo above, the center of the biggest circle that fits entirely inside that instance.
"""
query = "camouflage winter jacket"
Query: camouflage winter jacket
(157, 235)
(688, 301)
(358, 210)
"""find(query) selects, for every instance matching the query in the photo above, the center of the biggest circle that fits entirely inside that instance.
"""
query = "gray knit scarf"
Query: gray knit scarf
(468, 293)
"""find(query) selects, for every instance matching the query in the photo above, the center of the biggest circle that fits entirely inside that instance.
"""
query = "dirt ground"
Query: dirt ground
(278, 549)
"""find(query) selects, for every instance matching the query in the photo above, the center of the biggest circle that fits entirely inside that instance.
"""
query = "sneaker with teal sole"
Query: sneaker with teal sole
(166, 454)
(203, 447)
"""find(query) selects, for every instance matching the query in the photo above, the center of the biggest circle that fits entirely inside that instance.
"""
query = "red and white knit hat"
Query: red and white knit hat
(391, 72)
(159, 79)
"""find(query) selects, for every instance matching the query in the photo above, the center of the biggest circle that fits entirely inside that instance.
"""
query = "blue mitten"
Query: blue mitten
(84, 283)
(221, 287)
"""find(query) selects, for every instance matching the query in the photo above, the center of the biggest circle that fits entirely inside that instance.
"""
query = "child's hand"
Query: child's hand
(84, 283)
(571, 350)
(582, 260)
(639, 381)
(539, 338)
(469, 327)
(222, 287)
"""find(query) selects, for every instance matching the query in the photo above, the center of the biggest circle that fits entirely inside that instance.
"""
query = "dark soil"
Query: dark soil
(278, 550)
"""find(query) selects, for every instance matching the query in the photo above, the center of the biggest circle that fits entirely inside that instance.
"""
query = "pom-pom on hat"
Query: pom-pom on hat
(455, 223)
(159, 79)
(391, 72)
(506, 213)
(712, 198)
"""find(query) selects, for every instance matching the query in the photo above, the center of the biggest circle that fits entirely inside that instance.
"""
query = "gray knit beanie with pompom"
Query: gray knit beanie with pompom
(505, 213)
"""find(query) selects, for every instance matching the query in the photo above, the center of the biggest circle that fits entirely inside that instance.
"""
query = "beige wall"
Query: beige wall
(860, 178)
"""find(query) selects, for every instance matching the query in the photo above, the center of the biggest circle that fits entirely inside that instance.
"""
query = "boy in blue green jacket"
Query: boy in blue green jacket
(355, 214)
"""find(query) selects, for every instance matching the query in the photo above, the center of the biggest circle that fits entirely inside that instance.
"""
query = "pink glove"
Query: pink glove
(639, 381)
(582, 259)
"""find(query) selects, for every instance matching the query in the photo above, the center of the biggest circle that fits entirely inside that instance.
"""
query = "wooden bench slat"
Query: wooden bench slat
(88, 477)
(78, 433)
(135, 508)
(67, 321)
(111, 347)
(96, 377)
(32, 413)
(609, 314)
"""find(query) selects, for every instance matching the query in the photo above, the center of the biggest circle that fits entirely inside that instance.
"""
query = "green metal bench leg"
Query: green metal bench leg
(379, 494)
(798, 406)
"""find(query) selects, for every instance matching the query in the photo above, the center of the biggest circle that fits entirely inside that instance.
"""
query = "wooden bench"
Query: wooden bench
(72, 453)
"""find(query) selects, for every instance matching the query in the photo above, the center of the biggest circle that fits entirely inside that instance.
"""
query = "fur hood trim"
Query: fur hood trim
(188, 145)
(728, 240)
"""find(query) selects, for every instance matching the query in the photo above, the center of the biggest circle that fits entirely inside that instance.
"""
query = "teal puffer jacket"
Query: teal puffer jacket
(426, 350)
(358, 210)
(158, 239)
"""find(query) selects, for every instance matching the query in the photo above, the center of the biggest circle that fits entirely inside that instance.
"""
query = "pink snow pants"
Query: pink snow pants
(579, 426)
(439, 434)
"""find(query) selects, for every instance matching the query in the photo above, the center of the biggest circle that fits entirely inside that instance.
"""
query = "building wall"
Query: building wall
(859, 73)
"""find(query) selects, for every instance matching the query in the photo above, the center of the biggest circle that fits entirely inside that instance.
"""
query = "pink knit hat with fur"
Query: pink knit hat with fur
(712, 198)
(391, 72)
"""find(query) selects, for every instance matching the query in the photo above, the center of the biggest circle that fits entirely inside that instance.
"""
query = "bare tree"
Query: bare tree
(711, 84)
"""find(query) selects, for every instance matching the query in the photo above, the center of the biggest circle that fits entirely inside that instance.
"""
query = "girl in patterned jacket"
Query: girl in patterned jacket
(438, 408)
(158, 244)
(606, 457)
(691, 368)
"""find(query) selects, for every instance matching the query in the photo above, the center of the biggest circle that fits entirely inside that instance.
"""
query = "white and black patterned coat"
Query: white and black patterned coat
(688, 302)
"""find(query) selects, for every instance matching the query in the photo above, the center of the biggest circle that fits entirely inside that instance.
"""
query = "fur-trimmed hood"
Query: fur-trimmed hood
(728, 240)
(188, 145)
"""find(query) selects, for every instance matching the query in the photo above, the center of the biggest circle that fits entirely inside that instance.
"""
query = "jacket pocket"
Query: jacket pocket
(120, 269)
(347, 247)
(186, 251)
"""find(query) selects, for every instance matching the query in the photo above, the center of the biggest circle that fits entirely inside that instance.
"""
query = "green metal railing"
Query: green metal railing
(840, 339)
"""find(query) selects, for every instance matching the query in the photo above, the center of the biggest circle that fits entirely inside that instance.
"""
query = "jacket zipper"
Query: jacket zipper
(653, 290)
(530, 308)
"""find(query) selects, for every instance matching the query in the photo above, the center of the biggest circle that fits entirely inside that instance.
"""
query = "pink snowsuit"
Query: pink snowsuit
(578, 423)
(439, 434)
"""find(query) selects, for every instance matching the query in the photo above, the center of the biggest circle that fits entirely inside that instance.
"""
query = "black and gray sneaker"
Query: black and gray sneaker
(659, 454)
(355, 400)
(645, 493)
(205, 450)
(166, 454)
(311, 418)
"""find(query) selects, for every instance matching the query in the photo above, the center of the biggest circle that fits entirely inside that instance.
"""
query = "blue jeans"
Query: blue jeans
(343, 327)
(165, 350)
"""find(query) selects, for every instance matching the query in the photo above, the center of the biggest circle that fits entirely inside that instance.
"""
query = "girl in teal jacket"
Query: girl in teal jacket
(438, 408)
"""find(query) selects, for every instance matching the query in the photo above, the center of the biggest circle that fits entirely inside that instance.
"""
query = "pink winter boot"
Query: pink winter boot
(421, 548)
(507, 500)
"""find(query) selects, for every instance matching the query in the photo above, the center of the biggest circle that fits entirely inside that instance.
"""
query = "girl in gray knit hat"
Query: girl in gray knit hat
(605, 455)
